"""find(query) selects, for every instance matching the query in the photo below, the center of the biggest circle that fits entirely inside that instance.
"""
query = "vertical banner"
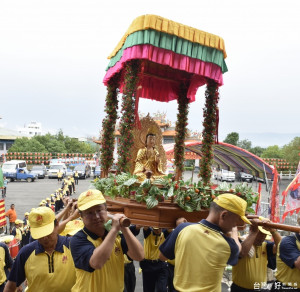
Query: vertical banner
(291, 195)
(274, 202)
(2, 213)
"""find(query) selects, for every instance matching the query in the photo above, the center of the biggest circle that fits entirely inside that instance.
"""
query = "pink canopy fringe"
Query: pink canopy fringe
(163, 89)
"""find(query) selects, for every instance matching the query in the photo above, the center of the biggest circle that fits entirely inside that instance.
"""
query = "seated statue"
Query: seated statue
(148, 163)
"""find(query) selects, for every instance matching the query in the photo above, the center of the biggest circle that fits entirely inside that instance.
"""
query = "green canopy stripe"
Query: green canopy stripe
(173, 43)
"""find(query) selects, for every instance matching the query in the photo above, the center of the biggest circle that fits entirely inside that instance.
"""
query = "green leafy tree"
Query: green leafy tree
(74, 146)
(51, 143)
(27, 145)
(60, 136)
(245, 144)
(257, 150)
(272, 152)
(291, 151)
(232, 138)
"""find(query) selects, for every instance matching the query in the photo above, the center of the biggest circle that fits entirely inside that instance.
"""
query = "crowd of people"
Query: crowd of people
(76, 245)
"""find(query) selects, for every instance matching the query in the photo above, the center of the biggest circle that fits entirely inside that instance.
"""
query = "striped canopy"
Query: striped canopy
(227, 156)
(171, 53)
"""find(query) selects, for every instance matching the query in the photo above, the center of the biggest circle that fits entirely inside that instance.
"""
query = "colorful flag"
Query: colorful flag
(258, 207)
(274, 201)
(291, 195)
(2, 213)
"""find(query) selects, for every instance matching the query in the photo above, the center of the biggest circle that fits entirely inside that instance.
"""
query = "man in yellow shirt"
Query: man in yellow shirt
(288, 264)
(6, 263)
(46, 263)
(59, 176)
(155, 271)
(98, 254)
(202, 250)
(256, 256)
(17, 232)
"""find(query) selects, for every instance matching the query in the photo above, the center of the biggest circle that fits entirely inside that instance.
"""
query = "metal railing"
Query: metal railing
(289, 220)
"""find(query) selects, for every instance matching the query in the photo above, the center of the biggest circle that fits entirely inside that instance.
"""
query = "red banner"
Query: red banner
(258, 207)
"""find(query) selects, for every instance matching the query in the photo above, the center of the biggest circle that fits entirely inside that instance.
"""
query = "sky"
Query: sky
(53, 56)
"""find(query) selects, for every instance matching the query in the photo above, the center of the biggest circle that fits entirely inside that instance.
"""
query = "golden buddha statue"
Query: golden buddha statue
(148, 163)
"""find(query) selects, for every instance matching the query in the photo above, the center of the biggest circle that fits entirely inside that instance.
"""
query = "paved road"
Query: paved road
(28, 195)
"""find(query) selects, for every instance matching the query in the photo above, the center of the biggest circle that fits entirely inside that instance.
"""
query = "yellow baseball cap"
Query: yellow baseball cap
(48, 199)
(261, 229)
(26, 214)
(89, 199)
(72, 227)
(41, 222)
(18, 221)
(234, 204)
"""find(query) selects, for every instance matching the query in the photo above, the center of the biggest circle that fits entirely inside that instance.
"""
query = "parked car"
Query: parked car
(39, 170)
(97, 171)
(225, 175)
(243, 176)
(84, 170)
(53, 170)
(69, 172)
(246, 177)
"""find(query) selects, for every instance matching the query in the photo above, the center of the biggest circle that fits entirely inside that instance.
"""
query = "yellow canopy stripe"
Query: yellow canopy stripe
(158, 23)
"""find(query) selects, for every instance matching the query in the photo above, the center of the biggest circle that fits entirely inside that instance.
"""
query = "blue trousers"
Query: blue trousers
(155, 275)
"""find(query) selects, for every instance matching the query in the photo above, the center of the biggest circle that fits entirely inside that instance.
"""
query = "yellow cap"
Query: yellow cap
(48, 199)
(89, 199)
(18, 221)
(72, 227)
(52, 195)
(261, 229)
(6, 238)
(44, 201)
(41, 222)
(26, 214)
(234, 204)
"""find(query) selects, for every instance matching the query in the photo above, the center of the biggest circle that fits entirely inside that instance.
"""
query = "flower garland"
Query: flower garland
(181, 129)
(131, 79)
(209, 130)
(108, 124)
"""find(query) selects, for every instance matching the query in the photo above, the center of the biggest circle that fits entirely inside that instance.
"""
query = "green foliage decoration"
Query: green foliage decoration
(109, 123)
(181, 127)
(131, 78)
(209, 130)
(187, 195)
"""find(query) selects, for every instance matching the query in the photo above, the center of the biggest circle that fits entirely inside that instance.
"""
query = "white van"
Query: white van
(12, 165)
(55, 167)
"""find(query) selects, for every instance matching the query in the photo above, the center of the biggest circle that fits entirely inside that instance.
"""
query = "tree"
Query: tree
(272, 152)
(51, 143)
(74, 146)
(257, 150)
(27, 145)
(245, 144)
(60, 136)
(232, 138)
(291, 151)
